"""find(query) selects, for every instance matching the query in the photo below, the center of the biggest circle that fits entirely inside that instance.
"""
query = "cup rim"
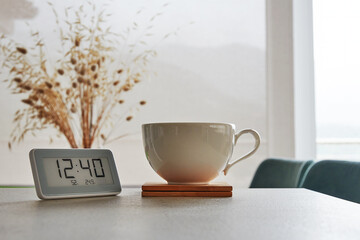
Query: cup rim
(189, 123)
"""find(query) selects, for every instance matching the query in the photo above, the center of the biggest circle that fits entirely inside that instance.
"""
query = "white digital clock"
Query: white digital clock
(72, 173)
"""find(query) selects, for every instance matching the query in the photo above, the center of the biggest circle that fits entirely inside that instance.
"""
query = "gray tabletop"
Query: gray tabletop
(249, 214)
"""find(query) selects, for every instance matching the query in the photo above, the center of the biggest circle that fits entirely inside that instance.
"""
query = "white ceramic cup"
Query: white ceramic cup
(192, 153)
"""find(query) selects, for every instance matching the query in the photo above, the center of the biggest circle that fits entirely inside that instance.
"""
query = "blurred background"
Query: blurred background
(211, 70)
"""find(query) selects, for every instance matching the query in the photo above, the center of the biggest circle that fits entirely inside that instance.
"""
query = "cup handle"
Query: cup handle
(256, 135)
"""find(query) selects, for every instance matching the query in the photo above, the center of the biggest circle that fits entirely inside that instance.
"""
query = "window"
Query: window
(337, 78)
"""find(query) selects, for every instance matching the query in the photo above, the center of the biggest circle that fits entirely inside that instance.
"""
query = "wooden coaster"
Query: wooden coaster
(164, 187)
(201, 190)
(186, 194)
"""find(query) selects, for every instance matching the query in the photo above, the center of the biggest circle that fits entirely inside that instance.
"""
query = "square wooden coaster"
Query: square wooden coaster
(201, 190)
(164, 187)
(186, 194)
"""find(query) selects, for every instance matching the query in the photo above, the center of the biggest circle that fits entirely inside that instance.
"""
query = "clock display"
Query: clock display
(61, 172)
(73, 173)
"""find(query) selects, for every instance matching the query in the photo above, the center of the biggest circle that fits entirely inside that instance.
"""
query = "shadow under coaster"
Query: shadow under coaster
(177, 190)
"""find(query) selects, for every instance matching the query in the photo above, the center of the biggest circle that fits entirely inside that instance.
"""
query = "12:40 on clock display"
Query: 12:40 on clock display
(77, 171)
(69, 173)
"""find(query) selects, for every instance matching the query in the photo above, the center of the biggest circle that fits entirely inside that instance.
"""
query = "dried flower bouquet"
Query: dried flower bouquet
(79, 93)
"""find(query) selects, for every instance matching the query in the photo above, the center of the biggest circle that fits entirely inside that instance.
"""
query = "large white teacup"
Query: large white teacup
(192, 153)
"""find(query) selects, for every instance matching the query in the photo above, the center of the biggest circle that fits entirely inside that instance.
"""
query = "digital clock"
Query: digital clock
(71, 173)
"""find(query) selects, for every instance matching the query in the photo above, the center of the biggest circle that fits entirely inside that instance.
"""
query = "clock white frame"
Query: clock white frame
(44, 191)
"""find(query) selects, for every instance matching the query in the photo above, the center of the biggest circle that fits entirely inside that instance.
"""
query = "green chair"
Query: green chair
(336, 178)
(280, 173)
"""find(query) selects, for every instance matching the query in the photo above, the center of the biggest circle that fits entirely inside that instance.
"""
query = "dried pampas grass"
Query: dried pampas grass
(78, 94)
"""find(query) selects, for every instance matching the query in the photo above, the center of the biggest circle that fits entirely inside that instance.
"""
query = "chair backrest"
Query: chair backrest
(280, 173)
(336, 178)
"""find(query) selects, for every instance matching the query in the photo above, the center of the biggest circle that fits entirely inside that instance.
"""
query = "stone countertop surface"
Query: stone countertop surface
(249, 214)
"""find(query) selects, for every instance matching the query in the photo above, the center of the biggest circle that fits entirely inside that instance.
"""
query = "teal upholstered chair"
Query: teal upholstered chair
(336, 178)
(280, 173)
